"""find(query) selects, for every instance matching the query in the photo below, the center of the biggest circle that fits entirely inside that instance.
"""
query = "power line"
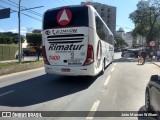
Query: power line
(71, 1)
(31, 17)
(65, 2)
(27, 15)
(17, 7)
(6, 7)
(23, 14)
(33, 12)
(124, 27)
(7, 3)
(31, 8)
(60, 2)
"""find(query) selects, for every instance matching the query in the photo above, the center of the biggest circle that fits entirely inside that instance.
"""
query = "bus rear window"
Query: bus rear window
(66, 17)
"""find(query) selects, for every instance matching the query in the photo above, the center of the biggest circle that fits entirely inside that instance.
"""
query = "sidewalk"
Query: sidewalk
(156, 63)
(27, 58)
(8, 61)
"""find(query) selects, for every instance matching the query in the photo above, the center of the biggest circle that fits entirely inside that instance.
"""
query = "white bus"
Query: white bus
(76, 41)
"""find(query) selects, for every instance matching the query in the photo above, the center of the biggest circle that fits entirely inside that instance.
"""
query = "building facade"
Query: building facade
(125, 36)
(139, 41)
(120, 33)
(129, 39)
(108, 14)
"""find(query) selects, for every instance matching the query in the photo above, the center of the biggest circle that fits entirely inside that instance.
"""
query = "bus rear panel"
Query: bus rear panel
(65, 41)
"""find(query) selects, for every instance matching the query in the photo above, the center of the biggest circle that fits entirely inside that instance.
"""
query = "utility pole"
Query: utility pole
(19, 29)
(19, 32)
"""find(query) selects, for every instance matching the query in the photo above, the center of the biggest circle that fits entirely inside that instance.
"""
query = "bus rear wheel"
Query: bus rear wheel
(103, 67)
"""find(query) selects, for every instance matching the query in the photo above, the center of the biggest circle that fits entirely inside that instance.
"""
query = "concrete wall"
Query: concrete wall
(8, 52)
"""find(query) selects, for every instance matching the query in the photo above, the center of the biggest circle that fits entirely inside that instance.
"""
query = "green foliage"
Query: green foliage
(9, 38)
(34, 39)
(120, 43)
(146, 19)
(8, 51)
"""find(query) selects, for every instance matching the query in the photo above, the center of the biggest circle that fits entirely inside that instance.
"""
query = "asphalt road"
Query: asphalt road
(121, 88)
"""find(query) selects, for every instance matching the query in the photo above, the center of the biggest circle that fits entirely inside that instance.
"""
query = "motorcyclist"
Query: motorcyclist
(143, 55)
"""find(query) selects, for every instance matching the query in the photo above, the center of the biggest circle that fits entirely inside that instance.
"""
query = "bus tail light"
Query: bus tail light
(90, 56)
(44, 55)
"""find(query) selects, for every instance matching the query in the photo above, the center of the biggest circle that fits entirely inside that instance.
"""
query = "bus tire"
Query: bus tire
(103, 67)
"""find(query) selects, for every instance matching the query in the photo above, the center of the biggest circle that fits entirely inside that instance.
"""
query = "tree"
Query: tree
(9, 38)
(120, 43)
(35, 40)
(146, 18)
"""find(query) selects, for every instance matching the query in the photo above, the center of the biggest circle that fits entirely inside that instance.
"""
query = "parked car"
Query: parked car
(124, 51)
(117, 50)
(130, 53)
(152, 94)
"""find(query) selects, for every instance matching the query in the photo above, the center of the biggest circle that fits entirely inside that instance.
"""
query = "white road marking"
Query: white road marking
(6, 93)
(112, 69)
(94, 108)
(107, 80)
(115, 64)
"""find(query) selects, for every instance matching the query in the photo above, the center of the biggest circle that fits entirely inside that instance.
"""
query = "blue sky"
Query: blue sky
(124, 8)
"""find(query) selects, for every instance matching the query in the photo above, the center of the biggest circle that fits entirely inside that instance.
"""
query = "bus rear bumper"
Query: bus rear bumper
(88, 70)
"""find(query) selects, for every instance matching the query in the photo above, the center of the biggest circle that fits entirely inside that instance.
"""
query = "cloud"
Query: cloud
(14, 31)
(23, 30)
(1, 30)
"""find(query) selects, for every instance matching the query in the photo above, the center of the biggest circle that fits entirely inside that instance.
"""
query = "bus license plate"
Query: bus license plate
(65, 70)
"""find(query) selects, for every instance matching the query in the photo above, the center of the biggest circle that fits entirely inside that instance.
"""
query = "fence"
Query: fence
(8, 52)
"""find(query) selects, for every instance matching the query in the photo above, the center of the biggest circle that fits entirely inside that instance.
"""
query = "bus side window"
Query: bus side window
(99, 28)
(106, 34)
(111, 40)
(103, 31)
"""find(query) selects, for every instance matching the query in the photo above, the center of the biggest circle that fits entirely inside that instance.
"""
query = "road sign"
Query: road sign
(4, 13)
(152, 43)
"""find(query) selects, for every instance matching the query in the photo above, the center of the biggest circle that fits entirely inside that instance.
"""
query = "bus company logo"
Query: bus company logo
(65, 47)
(53, 32)
(64, 31)
(54, 57)
(47, 32)
(64, 17)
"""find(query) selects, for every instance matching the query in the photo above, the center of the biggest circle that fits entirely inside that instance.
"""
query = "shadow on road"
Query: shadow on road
(142, 110)
(125, 59)
(42, 89)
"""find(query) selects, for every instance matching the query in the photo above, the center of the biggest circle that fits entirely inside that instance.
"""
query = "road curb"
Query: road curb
(21, 67)
(21, 72)
(156, 64)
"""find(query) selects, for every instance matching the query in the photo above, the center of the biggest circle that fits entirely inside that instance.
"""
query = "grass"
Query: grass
(2, 65)
(9, 64)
